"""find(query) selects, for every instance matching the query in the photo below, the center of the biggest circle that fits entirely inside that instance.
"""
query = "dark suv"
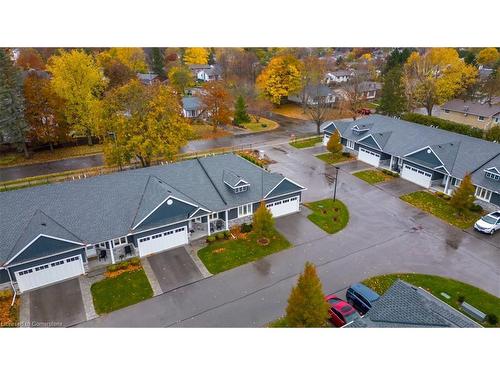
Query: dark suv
(361, 297)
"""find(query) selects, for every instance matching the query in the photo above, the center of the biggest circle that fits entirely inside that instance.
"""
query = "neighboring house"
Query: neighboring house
(148, 78)
(315, 93)
(369, 89)
(54, 232)
(338, 76)
(205, 72)
(191, 107)
(479, 115)
(406, 306)
(429, 157)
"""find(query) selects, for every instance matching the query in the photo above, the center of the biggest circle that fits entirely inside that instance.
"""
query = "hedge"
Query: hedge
(443, 124)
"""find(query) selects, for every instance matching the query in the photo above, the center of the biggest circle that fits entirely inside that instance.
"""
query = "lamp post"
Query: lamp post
(335, 186)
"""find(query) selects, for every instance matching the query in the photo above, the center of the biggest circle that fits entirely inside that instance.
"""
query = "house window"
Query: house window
(480, 118)
(213, 216)
(483, 194)
(350, 144)
(245, 210)
(240, 189)
(493, 176)
(497, 120)
(446, 111)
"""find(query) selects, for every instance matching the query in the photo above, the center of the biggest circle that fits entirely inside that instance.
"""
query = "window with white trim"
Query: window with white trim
(483, 194)
(480, 118)
(245, 210)
(240, 189)
(350, 144)
(213, 216)
(492, 176)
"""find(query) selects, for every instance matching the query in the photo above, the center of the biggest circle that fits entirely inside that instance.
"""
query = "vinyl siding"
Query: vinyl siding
(424, 158)
(284, 187)
(167, 214)
(495, 199)
(42, 247)
(4, 277)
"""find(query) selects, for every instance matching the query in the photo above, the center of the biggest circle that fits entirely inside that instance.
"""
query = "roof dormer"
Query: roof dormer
(234, 181)
(492, 173)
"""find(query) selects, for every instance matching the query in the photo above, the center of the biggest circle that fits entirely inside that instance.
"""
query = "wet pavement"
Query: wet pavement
(384, 235)
(399, 187)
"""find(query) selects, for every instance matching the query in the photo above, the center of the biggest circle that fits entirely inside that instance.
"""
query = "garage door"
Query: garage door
(284, 207)
(416, 176)
(369, 156)
(162, 241)
(326, 138)
(49, 273)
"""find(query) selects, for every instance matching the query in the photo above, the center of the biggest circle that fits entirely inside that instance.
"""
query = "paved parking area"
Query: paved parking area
(298, 229)
(58, 305)
(354, 166)
(398, 187)
(174, 268)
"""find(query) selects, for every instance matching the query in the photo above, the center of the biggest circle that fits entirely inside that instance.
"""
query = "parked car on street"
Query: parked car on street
(361, 297)
(489, 223)
(364, 111)
(340, 311)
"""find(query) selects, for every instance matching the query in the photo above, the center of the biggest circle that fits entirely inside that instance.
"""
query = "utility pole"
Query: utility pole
(335, 187)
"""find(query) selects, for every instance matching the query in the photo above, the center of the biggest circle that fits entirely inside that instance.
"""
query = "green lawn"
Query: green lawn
(304, 143)
(373, 176)
(441, 208)
(223, 255)
(487, 303)
(118, 292)
(325, 216)
(334, 158)
(264, 124)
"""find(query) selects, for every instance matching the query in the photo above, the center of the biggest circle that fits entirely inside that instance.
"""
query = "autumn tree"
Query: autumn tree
(238, 66)
(157, 62)
(353, 98)
(463, 197)
(313, 73)
(44, 111)
(263, 221)
(196, 56)
(319, 110)
(117, 73)
(30, 58)
(132, 58)
(334, 145)
(307, 307)
(489, 87)
(493, 134)
(488, 56)
(280, 78)
(143, 122)
(216, 102)
(240, 111)
(12, 122)
(78, 80)
(393, 97)
(438, 76)
(180, 78)
(259, 108)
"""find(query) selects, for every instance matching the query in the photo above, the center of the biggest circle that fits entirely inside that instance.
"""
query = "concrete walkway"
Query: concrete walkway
(88, 301)
(155, 285)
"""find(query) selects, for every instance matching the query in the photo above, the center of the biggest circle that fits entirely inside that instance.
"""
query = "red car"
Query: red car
(364, 111)
(340, 311)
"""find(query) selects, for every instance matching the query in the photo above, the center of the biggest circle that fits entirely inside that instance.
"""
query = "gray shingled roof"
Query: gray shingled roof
(460, 154)
(404, 305)
(107, 206)
(473, 108)
(191, 103)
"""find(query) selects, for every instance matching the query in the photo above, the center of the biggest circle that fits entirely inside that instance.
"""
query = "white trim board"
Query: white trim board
(278, 184)
(374, 140)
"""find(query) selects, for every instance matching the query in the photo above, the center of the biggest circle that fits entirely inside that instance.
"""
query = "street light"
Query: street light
(335, 187)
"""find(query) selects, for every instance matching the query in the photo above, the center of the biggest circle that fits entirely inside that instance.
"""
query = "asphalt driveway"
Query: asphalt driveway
(174, 268)
(398, 187)
(298, 229)
(354, 166)
(58, 305)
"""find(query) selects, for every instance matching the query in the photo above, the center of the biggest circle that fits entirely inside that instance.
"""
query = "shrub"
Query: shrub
(476, 208)
(210, 239)
(220, 236)
(461, 299)
(246, 228)
(446, 197)
(135, 261)
(112, 268)
(227, 234)
(346, 154)
(492, 319)
(124, 265)
(440, 194)
(443, 124)
(6, 294)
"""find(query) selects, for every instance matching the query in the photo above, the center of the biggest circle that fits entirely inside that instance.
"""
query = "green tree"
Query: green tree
(493, 134)
(157, 62)
(397, 58)
(306, 305)
(393, 97)
(12, 122)
(240, 111)
(263, 221)
(334, 146)
(180, 78)
(463, 197)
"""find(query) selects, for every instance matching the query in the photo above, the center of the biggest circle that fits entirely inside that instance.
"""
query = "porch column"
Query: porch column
(227, 224)
(111, 252)
(446, 184)
(208, 224)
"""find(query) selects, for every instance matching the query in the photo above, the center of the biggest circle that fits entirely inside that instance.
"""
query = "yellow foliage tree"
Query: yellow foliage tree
(437, 76)
(366, 56)
(132, 58)
(77, 79)
(281, 77)
(488, 56)
(196, 56)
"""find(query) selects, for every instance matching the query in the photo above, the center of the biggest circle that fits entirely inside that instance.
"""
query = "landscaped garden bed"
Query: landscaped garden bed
(264, 124)
(374, 176)
(456, 290)
(331, 216)
(439, 206)
(242, 246)
(9, 314)
(305, 143)
(125, 284)
(331, 158)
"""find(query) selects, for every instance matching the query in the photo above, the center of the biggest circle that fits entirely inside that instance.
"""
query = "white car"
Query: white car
(489, 223)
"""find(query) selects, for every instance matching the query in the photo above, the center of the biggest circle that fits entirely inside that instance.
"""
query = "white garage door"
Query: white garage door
(369, 156)
(416, 176)
(283, 207)
(326, 138)
(162, 241)
(49, 273)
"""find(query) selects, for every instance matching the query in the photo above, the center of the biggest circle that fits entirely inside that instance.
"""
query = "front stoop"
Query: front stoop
(155, 285)
(88, 303)
(24, 311)
(192, 250)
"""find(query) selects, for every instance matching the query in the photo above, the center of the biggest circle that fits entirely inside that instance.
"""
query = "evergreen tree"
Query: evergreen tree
(157, 62)
(397, 58)
(240, 111)
(12, 123)
(263, 221)
(334, 145)
(463, 197)
(306, 305)
(393, 98)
